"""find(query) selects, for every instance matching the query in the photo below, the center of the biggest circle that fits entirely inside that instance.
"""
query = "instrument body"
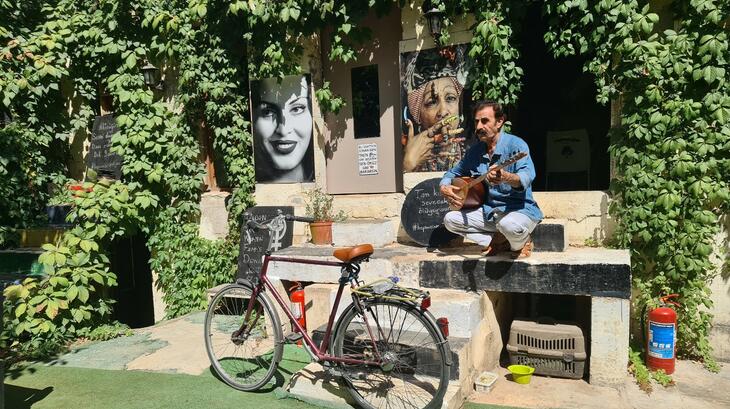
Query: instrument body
(472, 191)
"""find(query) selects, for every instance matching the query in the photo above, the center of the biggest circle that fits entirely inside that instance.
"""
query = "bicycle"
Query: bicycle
(386, 345)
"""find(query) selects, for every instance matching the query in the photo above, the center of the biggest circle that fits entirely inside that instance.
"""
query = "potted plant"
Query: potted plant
(319, 207)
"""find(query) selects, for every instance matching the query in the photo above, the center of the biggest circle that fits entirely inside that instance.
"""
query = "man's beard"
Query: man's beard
(481, 132)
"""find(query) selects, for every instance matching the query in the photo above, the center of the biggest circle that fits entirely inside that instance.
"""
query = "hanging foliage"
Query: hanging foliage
(672, 150)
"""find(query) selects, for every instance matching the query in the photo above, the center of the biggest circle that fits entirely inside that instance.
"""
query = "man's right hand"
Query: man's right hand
(450, 193)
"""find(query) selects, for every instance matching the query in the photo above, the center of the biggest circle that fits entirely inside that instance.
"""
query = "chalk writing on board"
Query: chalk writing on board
(251, 253)
(423, 212)
(367, 159)
(100, 157)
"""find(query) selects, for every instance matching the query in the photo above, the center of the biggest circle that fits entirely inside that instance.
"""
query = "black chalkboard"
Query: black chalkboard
(250, 255)
(100, 157)
(423, 213)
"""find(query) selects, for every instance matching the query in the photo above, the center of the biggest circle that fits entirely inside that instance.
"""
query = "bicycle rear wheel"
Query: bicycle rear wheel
(414, 370)
(244, 356)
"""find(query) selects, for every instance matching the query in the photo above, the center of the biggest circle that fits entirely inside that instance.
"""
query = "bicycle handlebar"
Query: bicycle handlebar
(254, 225)
(303, 219)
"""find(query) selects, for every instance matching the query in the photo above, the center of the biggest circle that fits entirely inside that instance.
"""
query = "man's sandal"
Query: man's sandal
(498, 245)
(525, 252)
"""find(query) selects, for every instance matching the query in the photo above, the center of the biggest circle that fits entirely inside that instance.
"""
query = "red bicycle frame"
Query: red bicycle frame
(319, 352)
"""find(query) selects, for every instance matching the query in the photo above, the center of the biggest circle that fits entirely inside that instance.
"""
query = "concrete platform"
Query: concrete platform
(576, 271)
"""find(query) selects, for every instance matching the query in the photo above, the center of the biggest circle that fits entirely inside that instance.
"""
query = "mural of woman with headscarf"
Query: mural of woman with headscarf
(432, 94)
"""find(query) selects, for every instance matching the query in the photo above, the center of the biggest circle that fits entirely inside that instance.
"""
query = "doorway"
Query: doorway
(558, 116)
(130, 261)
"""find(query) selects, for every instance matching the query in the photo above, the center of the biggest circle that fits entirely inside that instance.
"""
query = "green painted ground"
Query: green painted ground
(54, 387)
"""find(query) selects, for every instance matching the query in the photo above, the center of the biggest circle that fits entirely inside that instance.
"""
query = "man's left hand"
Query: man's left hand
(494, 176)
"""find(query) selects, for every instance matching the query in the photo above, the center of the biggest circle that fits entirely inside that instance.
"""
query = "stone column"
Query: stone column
(609, 354)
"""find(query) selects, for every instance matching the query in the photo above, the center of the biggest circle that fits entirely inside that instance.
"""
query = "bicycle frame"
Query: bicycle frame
(319, 352)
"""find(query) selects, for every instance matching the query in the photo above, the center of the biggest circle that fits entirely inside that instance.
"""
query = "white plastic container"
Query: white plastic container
(485, 381)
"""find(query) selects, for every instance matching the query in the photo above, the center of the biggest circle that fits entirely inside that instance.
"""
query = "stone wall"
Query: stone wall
(720, 333)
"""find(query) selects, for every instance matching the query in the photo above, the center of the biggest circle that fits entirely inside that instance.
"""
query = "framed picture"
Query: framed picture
(281, 122)
(433, 88)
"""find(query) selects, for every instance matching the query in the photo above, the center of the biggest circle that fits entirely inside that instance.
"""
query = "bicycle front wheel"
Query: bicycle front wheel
(244, 356)
(412, 371)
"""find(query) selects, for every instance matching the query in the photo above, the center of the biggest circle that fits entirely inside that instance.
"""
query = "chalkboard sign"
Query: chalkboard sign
(423, 213)
(100, 157)
(250, 255)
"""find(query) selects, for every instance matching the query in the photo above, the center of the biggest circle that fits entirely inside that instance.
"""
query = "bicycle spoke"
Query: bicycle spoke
(243, 359)
(412, 373)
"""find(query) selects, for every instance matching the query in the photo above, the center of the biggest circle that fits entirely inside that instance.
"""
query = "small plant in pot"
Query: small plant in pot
(319, 207)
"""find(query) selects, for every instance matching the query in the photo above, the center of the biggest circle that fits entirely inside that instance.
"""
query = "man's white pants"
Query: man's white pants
(515, 226)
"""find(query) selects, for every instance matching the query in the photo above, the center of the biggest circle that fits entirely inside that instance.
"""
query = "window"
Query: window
(365, 101)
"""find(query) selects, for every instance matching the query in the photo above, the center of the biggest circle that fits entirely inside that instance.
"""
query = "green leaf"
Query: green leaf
(85, 245)
(20, 309)
(52, 309)
(72, 292)
(202, 10)
(83, 294)
(131, 61)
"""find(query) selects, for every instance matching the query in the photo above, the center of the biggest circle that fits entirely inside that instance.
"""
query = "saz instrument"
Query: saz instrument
(471, 190)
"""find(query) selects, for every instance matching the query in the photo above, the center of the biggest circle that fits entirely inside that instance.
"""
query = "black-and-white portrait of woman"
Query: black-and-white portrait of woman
(281, 111)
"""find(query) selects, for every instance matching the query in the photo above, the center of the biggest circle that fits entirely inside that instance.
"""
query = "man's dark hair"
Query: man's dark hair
(484, 103)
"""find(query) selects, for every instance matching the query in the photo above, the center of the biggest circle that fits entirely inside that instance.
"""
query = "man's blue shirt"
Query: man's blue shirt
(502, 197)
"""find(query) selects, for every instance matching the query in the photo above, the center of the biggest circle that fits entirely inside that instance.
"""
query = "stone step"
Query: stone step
(463, 309)
(378, 232)
(576, 271)
(474, 334)
(550, 235)
(459, 352)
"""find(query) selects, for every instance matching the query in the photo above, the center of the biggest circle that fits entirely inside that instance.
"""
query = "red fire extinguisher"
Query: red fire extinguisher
(297, 306)
(662, 336)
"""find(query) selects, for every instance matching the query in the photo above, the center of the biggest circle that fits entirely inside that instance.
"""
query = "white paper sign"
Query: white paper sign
(367, 159)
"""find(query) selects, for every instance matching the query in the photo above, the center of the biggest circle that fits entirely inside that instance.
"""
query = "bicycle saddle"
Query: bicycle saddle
(354, 254)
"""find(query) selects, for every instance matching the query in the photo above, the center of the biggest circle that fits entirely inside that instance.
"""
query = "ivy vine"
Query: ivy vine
(57, 58)
(672, 150)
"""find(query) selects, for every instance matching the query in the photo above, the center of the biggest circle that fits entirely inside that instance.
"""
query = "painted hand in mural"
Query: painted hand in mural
(418, 147)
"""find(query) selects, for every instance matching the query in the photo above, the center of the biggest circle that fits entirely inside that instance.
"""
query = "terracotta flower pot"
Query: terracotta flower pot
(321, 232)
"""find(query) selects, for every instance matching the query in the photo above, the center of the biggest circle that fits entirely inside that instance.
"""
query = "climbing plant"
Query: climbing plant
(672, 150)
(58, 57)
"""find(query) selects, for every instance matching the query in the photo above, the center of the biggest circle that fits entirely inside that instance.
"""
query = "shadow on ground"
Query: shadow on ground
(19, 397)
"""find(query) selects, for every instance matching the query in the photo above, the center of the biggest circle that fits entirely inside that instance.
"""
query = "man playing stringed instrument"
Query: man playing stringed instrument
(509, 213)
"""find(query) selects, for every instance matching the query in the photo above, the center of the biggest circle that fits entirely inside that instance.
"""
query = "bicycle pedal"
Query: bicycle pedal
(293, 337)
(333, 371)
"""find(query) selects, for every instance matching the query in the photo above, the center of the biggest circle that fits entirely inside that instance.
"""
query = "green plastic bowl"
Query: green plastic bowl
(521, 373)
